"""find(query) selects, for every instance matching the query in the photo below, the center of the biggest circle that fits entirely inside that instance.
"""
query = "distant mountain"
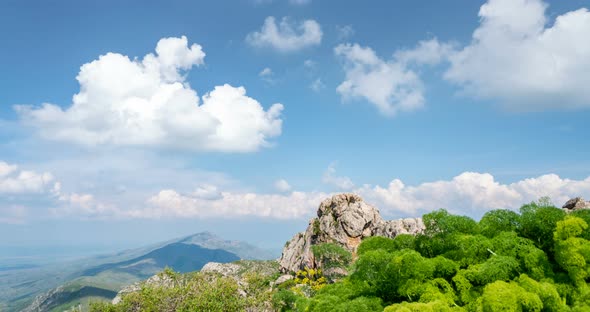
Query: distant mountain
(101, 277)
(179, 256)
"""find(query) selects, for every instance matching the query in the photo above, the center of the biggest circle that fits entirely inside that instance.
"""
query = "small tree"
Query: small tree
(330, 255)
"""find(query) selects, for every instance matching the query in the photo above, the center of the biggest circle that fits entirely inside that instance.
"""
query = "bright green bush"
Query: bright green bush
(331, 255)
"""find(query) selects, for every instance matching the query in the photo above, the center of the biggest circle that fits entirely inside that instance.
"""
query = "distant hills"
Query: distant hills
(60, 287)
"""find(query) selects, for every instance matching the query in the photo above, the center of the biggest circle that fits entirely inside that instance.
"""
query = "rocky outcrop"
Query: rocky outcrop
(344, 219)
(576, 204)
(160, 279)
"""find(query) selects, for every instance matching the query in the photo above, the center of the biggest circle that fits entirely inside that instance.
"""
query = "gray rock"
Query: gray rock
(576, 204)
(282, 279)
(225, 269)
(344, 219)
(160, 279)
(393, 228)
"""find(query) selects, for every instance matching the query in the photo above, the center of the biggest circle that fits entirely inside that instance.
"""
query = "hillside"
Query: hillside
(101, 277)
(535, 260)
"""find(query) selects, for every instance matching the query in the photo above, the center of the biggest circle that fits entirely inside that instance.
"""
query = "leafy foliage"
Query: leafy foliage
(535, 260)
(331, 255)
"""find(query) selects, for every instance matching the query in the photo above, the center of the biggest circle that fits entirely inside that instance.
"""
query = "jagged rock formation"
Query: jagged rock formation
(344, 219)
(576, 204)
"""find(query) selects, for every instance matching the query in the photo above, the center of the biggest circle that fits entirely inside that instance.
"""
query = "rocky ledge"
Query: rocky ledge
(576, 204)
(344, 219)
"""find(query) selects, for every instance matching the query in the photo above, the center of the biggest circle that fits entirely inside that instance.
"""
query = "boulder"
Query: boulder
(225, 269)
(576, 204)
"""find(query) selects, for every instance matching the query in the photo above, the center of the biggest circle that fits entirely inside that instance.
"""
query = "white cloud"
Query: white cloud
(267, 75)
(517, 57)
(282, 185)
(170, 203)
(426, 52)
(344, 32)
(149, 103)
(470, 193)
(15, 181)
(286, 36)
(22, 191)
(266, 72)
(317, 85)
(389, 85)
(330, 177)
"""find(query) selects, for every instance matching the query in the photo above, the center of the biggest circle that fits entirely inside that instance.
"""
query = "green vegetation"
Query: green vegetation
(330, 255)
(195, 291)
(535, 260)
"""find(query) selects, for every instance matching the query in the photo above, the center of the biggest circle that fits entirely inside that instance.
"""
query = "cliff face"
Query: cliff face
(344, 219)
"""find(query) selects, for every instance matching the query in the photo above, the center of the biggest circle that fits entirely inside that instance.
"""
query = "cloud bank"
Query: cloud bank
(471, 193)
(15, 181)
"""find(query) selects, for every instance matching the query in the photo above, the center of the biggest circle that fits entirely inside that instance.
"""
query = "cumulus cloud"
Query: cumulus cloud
(282, 185)
(516, 56)
(287, 35)
(147, 102)
(16, 181)
(389, 85)
(170, 203)
(341, 182)
(471, 193)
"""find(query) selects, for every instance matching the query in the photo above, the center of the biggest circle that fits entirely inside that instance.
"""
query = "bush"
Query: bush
(330, 255)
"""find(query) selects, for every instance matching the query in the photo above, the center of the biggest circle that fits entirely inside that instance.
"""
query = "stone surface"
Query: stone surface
(393, 228)
(576, 204)
(225, 269)
(282, 279)
(343, 219)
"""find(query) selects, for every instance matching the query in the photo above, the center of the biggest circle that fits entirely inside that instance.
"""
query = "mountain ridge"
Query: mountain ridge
(108, 273)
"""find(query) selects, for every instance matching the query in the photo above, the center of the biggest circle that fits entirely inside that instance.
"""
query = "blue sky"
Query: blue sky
(239, 117)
